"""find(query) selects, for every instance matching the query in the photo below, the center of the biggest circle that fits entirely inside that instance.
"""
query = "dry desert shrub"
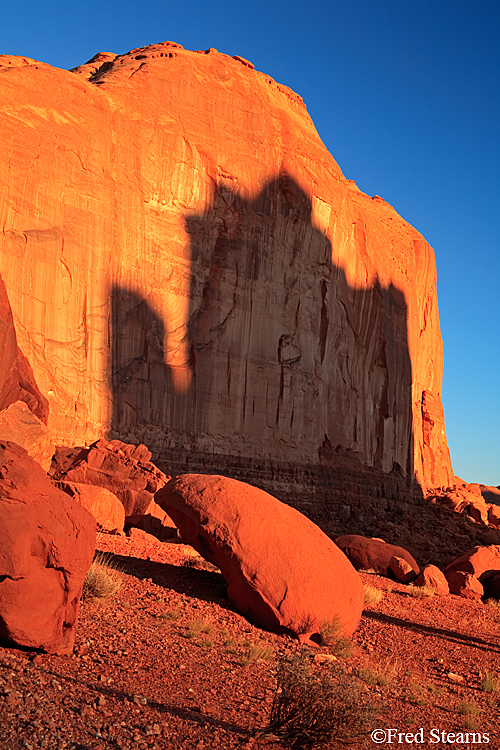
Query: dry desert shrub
(197, 628)
(102, 581)
(331, 636)
(489, 683)
(373, 595)
(380, 674)
(312, 708)
(421, 591)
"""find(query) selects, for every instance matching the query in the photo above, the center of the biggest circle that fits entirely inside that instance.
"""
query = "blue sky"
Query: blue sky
(406, 96)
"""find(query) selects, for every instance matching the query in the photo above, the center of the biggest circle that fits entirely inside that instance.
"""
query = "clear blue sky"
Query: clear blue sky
(406, 96)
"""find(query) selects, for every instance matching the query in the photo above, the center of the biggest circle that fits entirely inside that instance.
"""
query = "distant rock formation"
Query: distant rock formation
(189, 269)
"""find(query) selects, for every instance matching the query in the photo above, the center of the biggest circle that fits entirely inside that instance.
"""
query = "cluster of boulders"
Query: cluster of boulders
(117, 482)
(283, 573)
(473, 575)
(478, 501)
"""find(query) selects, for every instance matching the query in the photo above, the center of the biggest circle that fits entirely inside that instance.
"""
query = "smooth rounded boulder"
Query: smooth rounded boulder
(47, 543)
(282, 571)
(379, 556)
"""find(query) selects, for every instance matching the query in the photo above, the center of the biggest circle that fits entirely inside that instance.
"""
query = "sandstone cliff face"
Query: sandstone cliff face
(188, 268)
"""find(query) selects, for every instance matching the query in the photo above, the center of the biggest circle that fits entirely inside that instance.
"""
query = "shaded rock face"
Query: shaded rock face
(46, 547)
(242, 301)
(282, 571)
(124, 470)
(17, 382)
(375, 554)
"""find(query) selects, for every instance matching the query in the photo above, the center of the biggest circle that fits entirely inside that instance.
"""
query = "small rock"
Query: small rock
(455, 677)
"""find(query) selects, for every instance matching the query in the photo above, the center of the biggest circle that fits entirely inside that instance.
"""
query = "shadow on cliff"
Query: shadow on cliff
(298, 380)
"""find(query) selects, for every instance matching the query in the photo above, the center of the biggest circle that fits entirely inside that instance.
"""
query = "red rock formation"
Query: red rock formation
(375, 554)
(105, 507)
(282, 571)
(47, 543)
(189, 268)
(434, 578)
(125, 470)
(17, 382)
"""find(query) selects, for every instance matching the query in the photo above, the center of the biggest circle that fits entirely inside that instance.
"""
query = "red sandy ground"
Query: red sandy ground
(136, 681)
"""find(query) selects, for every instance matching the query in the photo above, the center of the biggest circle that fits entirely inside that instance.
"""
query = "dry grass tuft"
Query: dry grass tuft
(331, 636)
(380, 674)
(102, 581)
(421, 591)
(309, 709)
(373, 595)
(197, 628)
(489, 683)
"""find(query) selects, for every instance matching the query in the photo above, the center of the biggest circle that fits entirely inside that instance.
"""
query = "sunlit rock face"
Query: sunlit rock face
(188, 268)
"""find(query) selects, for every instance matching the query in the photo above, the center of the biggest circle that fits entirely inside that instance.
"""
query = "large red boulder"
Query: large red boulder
(47, 542)
(282, 571)
(375, 554)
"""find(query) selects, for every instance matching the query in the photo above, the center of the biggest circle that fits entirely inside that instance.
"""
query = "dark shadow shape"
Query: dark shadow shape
(448, 635)
(185, 714)
(206, 585)
(283, 352)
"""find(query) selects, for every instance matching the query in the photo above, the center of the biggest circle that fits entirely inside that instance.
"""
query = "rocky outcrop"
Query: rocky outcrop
(478, 501)
(19, 425)
(47, 543)
(189, 269)
(282, 571)
(125, 470)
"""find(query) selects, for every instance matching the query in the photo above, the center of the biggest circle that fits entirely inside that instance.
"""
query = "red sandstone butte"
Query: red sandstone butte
(190, 269)
(282, 571)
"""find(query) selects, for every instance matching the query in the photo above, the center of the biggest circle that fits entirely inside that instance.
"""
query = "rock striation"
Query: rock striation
(188, 268)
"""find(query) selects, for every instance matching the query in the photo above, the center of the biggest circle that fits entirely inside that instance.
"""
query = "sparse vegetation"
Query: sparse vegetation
(382, 674)
(373, 595)
(337, 643)
(470, 713)
(197, 628)
(311, 708)
(489, 683)
(171, 614)
(467, 709)
(102, 580)
(421, 591)
(260, 651)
